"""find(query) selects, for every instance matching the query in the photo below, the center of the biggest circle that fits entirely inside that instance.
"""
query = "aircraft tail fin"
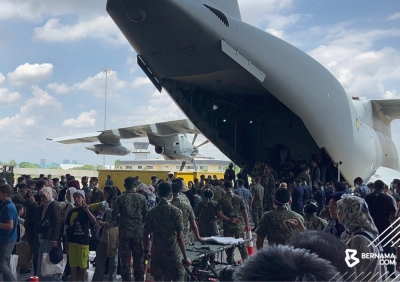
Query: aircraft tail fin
(229, 6)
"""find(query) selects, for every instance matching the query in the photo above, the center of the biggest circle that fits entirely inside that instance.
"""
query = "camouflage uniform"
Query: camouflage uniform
(9, 177)
(313, 222)
(206, 211)
(218, 193)
(231, 206)
(164, 221)
(182, 197)
(187, 215)
(269, 190)
(257, 208)
(275, 227)
(97, 196)
(132, 209)
(325, 214)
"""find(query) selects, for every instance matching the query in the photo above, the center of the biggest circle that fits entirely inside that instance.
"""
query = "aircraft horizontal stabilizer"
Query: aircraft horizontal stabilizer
(390, 108)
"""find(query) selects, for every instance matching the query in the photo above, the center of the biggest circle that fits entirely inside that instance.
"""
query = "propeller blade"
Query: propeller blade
(204, 143)
(204, 157)
(194, 138)
(182, 166)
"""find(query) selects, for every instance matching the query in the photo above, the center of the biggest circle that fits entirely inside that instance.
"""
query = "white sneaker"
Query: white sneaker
(118, 277)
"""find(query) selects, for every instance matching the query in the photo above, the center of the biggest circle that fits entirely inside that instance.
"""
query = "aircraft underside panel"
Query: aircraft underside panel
(245, 128)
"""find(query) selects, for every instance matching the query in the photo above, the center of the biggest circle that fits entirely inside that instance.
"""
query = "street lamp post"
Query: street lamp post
(106, 71)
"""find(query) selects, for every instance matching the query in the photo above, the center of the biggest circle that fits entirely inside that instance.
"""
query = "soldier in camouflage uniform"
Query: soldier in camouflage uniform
(131, 207)
(206, 212)
(182, 197)
(230, 209)
(312, 221)
(217, 190)
(256, 205)
(7, 173)
(268, 181)
(187, 214)
(164, 221)
(274, 225)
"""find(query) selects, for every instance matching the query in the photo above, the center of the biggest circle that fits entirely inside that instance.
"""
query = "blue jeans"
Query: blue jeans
(5, 258)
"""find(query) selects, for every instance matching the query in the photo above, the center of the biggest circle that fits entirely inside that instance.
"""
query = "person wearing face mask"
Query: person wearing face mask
(232, 211)
(65, 207)
(47, 222)
(77, 239)
(164, 221)
(97, 193)
(361, 189)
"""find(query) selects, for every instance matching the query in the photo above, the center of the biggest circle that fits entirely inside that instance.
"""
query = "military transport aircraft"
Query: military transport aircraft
(169, 139)
(248, 91)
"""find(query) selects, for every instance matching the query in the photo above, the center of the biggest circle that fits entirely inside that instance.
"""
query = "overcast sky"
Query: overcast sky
(52, 52)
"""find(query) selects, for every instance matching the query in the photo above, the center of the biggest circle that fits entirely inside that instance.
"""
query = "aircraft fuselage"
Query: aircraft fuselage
(267, 92)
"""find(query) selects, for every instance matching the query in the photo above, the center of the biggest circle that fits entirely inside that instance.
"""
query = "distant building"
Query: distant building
(164, 165)
(65, 161)
(69, 166)
(43, 161)
(141, 151)
(50, 165)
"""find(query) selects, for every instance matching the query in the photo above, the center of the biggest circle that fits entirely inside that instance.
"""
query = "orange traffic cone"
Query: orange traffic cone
(250, 246)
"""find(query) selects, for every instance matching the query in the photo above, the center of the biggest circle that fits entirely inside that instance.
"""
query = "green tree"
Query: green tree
(84, 167)
(54, 167)
(117, 164)
(28, 165)
(12, 163)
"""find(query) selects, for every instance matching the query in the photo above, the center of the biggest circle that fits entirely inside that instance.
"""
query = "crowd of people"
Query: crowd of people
(155, 222)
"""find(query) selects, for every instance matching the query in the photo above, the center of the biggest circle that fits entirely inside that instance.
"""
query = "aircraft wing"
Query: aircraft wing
(113, 136)
(391, 107)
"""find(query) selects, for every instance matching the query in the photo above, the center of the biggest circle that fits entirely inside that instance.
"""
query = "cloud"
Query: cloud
(361, 69)
(274, 32)
(36, 10)
(2, 78)
(58, 88)
(391, 94)
(85, 119)
(101, 27)
(96, 85)
(140, 82)
(9, 97)
(272, 14)
(394, 16)
(132, 64)
(27, 126)
(28, 74)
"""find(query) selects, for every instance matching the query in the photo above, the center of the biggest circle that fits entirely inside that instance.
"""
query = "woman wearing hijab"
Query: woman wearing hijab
(101, 251)
(47, 223)
(65, 207)
(360, 235)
